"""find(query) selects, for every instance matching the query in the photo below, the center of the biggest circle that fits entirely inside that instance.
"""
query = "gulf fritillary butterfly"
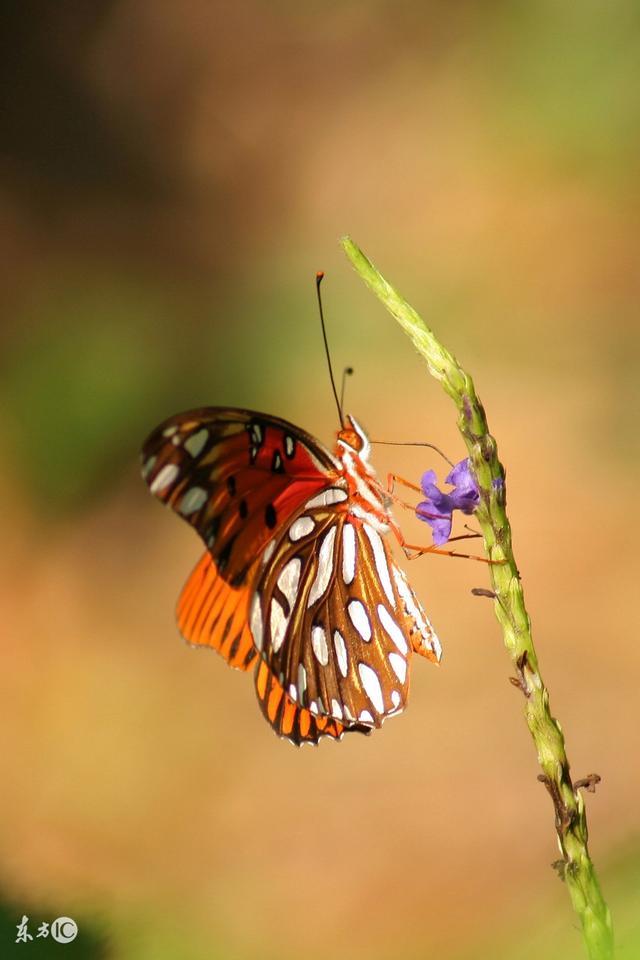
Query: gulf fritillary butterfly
(297, 582)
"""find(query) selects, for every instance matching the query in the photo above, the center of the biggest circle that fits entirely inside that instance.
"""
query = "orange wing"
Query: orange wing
(212, 613)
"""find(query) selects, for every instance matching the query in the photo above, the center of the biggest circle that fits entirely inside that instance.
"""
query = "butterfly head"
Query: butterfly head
(353, 439)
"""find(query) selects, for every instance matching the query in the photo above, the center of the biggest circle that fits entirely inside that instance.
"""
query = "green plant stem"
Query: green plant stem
(576, 866)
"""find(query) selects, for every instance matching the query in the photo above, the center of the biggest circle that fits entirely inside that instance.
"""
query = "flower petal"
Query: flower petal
(440, 524)
(437, 509)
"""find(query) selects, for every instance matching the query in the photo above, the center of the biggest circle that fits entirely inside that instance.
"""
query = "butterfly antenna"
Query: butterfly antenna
(410, 443)
(347, 372)
(319, 277)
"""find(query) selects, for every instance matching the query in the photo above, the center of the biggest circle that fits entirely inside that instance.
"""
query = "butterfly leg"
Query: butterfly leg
(412, 551)
(393, 478)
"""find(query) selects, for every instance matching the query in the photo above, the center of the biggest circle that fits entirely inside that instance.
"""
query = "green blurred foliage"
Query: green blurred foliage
(78, 382)
(564, 82)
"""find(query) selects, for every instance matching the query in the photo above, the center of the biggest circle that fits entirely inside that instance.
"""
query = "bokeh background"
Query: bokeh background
(171, 177)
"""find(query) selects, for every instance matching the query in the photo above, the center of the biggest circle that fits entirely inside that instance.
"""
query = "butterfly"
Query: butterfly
(297, 582)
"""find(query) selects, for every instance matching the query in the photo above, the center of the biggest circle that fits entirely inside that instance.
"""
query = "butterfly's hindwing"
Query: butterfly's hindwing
(330, 619)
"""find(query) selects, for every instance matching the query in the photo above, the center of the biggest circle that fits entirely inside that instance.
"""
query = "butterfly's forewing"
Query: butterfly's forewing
(336, 620)
(234, 475)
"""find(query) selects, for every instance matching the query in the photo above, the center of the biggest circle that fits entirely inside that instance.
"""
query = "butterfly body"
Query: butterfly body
(297, 581)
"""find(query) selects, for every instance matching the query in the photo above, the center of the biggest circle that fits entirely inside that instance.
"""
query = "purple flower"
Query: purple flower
(438, 507)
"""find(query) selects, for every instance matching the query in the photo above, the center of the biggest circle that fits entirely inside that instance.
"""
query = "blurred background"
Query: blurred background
(171, 177)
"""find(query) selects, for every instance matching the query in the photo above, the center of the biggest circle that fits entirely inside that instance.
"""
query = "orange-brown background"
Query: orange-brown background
(171, 176)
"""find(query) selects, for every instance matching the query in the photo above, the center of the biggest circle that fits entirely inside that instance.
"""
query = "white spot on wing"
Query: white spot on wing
(300, 528)
(325, 567)
(149, 465)
(302, 681)
(380, 558)
(392, 629)
(166, 476)
(359, 619)
(288, 445)
(336, 709)
(327, 498)
(313, 707)
(169, 431)
(399, 666)
(396, 699)
(371, 686)
(193, 500)
(365, 716)
(196, 442)
(278, 624)
(255, 621)
(268, 551)
(289, 579)
(405, 590)
(341, 652)
(293, 693)
(319, 644)
(348, 553)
